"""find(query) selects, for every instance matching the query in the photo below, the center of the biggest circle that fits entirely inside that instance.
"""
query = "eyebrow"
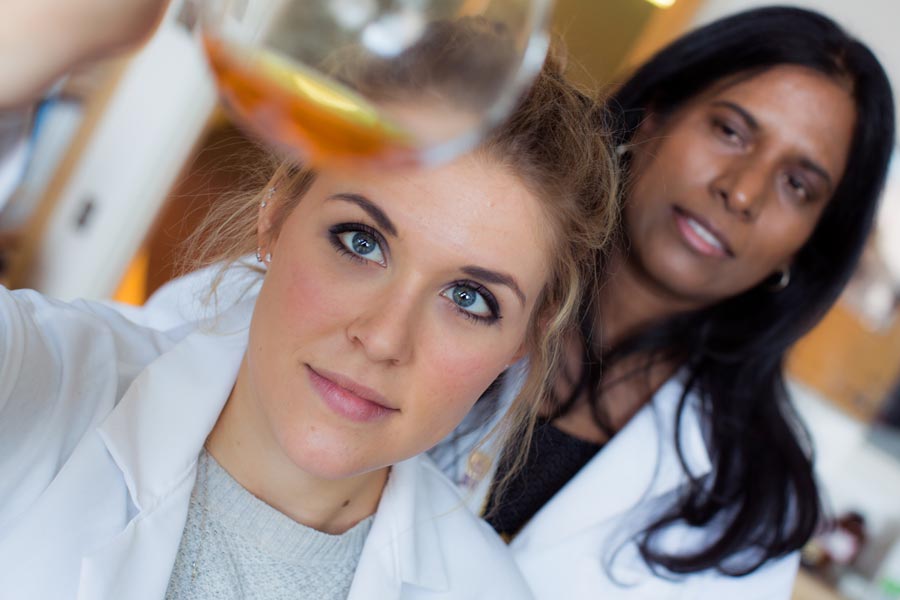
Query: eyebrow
(752, 123)
(371, 209)
(806, 163)
(495, 277)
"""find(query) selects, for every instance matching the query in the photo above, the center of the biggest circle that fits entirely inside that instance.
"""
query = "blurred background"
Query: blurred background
(129, 154)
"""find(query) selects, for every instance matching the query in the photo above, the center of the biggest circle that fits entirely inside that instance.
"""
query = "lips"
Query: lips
(348, 398)
(701, 235)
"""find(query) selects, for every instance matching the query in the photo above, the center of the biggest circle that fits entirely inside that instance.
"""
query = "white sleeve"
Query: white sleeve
(14, 144)
(63, 367)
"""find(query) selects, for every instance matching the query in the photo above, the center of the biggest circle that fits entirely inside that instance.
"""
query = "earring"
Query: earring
(258, 254)
(268, 257)
(269, 194)
(622, 149)
(784, 280)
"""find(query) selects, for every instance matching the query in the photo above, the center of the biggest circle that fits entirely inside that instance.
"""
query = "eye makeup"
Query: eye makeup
(336, 238)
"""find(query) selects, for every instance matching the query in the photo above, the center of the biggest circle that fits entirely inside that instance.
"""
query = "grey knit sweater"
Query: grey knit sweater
(242, 548)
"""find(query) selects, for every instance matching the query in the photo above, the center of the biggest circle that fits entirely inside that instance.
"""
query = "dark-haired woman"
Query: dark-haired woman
(672, 464)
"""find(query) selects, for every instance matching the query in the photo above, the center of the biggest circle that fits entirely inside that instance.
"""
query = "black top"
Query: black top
(553, 459)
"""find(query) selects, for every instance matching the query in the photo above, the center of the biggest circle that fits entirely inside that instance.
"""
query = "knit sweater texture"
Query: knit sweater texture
(235, 546)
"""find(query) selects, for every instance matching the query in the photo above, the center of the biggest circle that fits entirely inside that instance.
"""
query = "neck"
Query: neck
(242, 442)
(629, 302)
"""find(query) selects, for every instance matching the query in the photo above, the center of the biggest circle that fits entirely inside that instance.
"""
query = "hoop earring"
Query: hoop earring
(784, 280)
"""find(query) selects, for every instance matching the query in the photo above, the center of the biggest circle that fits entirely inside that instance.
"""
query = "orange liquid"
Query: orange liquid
(318, 120)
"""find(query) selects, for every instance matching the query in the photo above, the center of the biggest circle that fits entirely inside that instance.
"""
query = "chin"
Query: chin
(680, 278)
(331, 458)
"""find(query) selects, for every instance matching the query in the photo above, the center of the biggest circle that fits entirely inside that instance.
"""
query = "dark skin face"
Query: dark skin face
(725, 190)
(731, 185)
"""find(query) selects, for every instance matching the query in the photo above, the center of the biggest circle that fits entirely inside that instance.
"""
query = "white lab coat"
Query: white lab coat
(564, 550)
(101, 424)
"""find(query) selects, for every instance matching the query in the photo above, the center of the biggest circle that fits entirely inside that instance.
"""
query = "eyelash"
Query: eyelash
(489, 299)
(337, 230)
(805, 193)
(724, 128)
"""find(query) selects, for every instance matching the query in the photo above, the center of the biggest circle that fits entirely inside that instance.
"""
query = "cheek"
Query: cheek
(783, 235)
(308, 296)
(455, 379)
(298, 307)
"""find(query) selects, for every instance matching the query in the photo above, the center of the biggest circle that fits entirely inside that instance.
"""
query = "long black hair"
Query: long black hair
(760, 501)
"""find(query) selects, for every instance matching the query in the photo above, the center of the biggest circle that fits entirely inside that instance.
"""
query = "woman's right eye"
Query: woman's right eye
(359, 242)
(727, 132)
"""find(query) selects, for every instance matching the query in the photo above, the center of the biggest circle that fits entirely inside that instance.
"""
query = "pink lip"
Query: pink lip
(348, 398)
(696, 242)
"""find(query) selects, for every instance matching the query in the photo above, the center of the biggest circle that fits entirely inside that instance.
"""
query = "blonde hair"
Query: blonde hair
(556, 143)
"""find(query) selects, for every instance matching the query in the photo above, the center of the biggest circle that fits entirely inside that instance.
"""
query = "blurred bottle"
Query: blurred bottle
(837, 547)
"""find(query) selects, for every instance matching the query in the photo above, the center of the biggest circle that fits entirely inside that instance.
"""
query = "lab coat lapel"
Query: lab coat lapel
(154, 436)
(638, 464)
(403, 546)
(137, 563)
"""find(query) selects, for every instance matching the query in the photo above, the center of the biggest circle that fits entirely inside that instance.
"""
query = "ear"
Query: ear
(264, 221)
(648, 128)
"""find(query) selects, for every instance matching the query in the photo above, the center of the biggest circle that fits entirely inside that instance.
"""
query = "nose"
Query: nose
(385, 329)
(741, 188)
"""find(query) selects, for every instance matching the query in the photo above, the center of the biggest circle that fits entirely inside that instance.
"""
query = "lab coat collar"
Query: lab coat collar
(404, 539)
(157, 430)
(640, 463)
(154, 436)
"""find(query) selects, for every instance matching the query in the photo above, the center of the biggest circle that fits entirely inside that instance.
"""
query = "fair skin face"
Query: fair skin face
(391, 302)
(725, 191)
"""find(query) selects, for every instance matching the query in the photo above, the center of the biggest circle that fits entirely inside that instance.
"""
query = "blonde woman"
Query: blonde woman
(276, 451)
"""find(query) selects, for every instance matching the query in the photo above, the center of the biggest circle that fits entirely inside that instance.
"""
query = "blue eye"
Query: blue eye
(473, 300)
(359, 242)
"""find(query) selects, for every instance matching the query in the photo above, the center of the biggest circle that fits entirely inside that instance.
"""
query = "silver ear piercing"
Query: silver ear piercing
(269, 194)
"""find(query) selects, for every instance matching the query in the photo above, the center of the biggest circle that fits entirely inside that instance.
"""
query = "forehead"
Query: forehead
(472, 209)
(806, 111)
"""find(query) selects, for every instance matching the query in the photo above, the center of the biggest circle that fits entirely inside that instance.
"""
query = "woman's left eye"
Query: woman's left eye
(359, 243)
(473, 301)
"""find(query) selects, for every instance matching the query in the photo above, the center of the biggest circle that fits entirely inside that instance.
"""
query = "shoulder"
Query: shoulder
(480, 565)
(63, 367)
(187, 298)
(41, 336)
